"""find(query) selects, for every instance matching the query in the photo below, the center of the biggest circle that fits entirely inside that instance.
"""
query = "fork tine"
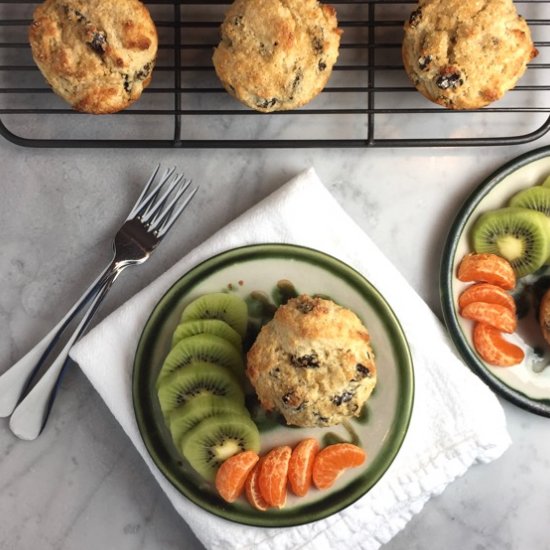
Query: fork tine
(145, 203)
(159, 203)
(174, 216)
(166, 209)
(137, 205)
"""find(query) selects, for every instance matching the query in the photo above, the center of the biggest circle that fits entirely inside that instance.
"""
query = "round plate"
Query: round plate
(259, 268)
(527, 384)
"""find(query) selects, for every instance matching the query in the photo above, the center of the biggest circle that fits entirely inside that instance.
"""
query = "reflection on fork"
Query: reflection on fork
(154, 213)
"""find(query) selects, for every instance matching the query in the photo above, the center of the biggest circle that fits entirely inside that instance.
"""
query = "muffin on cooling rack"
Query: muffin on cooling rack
(465, 54)
(277, 55)
(98, 55)
(313, 363)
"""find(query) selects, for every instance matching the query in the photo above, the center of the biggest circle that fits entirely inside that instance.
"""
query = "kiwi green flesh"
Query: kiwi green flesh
(218, 305)
(546, 182)
(215, 327)
(202, 347)
(185, 384)
(186, 417)
(215, 439)
(517, 234)
(533, 198)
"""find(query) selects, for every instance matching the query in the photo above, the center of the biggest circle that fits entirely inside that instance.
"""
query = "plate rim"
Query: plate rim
(400, 344)
(538, 406)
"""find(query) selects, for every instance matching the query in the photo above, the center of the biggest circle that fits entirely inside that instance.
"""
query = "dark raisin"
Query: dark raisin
(310, 361)
(362, 370)
(98, 43)
(344, 398)
(79, 16)
(317, 43)
(287, 397)
(322, 65)
(295, 83)
(415, 18)
(424, 62)
(305, 306)
(127, 84)
(446, 81)
(144, 72)
(266, 103)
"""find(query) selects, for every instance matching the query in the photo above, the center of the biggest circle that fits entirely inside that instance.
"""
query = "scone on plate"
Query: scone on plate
(277, 55)
(313, 363)
(465, 54)
(98, 55)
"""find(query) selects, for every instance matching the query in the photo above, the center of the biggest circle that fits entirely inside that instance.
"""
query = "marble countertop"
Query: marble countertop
(81, 484)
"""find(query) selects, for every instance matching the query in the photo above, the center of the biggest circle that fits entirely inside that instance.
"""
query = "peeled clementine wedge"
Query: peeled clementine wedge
(495, 315)
(485, 292)
(272, 479)
(487, 268)
(333, 460)
(252, 488)
(232, 474)
(300, 466)
(493, 348)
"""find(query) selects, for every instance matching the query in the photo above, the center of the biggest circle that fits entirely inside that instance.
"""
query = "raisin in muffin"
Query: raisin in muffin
(313, 363)
(276, 55)
(464, 54)
(98, 55)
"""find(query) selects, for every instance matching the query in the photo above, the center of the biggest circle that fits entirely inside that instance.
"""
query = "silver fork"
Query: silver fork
(154, 213)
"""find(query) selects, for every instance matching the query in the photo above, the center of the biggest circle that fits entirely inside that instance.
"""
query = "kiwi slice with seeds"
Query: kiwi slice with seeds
(202, 347)
(186, 417)
(533, 198)
(207, 326)
(218, 305)
(200, 379)
(517, 234)
(215, 439)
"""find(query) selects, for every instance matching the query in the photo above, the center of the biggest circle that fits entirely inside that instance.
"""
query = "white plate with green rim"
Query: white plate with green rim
(255, 269)
(527, 384)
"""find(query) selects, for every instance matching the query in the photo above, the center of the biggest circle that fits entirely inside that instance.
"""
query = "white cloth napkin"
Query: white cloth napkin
(456, 419)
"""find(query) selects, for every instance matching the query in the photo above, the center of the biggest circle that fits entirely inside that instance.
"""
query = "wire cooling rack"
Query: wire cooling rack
(369, 102)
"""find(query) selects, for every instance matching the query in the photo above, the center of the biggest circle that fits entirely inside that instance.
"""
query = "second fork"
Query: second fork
(154, 213)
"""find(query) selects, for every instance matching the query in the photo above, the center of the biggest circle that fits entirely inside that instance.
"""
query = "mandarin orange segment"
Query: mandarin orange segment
(300, 466)
(252, 488)
(485, 292)
(487, 268)
(333, 460)
(495, 315)
(273, 476)
(493, 348)
(232, 474)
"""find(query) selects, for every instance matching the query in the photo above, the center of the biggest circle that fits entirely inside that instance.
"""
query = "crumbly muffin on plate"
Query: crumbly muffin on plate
(465, 54)
(277, 55)
(313, 363)
(98, 55)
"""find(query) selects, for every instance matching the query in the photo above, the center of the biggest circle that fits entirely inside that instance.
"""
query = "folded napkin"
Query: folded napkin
(456, 420)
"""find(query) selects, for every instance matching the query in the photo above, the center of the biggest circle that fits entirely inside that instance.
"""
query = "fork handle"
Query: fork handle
(16, 379)
(30, 416)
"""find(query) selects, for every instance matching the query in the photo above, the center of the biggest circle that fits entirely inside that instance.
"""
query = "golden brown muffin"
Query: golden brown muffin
(464, 54)
(98, 55)
(313, 363)
(276, 55)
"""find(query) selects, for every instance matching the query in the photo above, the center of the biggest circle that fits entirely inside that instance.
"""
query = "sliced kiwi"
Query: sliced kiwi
(517, 234)
(200, 379)
(186, 417)
(218, 305)
(533, 198)
(207, 326)
(215, 439)
(202, 347)
(546, 182)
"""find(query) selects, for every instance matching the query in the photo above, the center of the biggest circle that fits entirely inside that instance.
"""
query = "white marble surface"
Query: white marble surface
(81, 484)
